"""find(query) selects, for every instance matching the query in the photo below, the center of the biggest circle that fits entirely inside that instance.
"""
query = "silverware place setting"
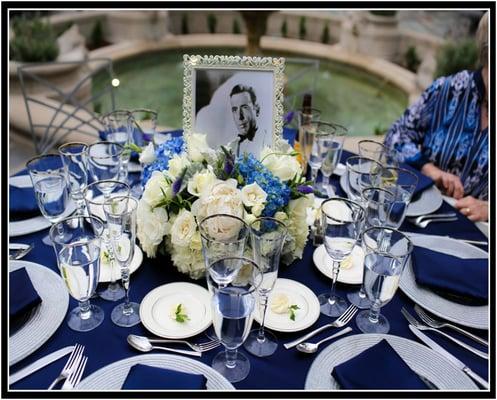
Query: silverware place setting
(72, 363)
(424, 220)
(144, 344)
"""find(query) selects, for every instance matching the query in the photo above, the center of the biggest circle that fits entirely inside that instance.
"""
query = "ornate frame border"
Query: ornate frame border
(276, 65)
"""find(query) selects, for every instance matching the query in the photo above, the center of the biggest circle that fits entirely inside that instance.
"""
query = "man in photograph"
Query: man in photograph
(245, 110)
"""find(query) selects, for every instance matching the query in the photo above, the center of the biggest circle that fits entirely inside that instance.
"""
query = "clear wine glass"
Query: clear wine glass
(304, 117)
(232, 312)
(75, 158)
(120, 212)
(268, 236)
(361, 173)
(95, 199)
(379, 152)
(118, 127)
(104, 161)
(333, 152)
(76, 242)
(378, 204)
(386, 253)
(49, 177)
(341, 221)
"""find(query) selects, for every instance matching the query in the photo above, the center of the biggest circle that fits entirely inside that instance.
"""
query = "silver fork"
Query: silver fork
(421, 327)
(439, 324)
(75, 376)
(72, 361)
(426, 222)
(342, 320)
(201, 347)
(417, 220)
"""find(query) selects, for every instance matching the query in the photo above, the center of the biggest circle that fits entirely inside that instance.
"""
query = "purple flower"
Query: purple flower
(288, 117)
(177, 185)
(228, 166)
(305, 189)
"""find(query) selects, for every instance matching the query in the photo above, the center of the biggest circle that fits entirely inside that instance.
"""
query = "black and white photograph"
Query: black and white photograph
(234, 105)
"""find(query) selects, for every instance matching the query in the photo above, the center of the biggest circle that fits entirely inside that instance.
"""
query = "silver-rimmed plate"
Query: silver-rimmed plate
(471, 316)
(428, 202)
(421, 359)
(46, 318)
(112, 376)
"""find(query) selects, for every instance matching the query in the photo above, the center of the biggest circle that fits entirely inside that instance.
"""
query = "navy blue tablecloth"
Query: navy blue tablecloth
(286, 369)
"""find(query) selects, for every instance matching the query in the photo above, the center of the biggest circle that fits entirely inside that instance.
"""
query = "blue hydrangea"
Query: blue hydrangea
(278, 193)
(163, 153)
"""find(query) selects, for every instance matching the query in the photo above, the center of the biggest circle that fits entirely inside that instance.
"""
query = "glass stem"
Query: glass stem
(128, 310)
(263, 308)
(314, 174)
(84, 309)
(374, 312)
(326, 181)
(362, 292)
(231, 358)
(336, 268)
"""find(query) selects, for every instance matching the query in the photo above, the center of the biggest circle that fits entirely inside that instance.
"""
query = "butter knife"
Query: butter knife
(38, 364)
(440, 350)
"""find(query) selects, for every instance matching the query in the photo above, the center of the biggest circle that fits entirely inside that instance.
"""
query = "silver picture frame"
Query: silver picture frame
(219, 67)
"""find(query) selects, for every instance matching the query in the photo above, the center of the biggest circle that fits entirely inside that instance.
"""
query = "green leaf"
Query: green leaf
(180, 317)
(292, 309)
(133, 147)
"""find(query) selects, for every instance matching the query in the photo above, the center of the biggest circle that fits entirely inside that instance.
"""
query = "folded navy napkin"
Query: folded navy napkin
(424, 182)
(22, 203)
(379, 367)
(463, 277)
(146, 377)
(23, 297)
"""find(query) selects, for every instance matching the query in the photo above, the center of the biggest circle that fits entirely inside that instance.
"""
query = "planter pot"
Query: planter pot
(379, 36)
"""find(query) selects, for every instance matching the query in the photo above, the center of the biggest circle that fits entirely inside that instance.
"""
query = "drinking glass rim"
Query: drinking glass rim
(128, 197)
(371, 141)
(347, 165)
(385, 228)
(109, 155)
(259, 219)
(318, 122)
(200, 229)
(117, 111)
(244, 259)
(392, 195)
(63, 147)
(53, 236)
(93, 184)
(43, 156)
(155, 113)
(361, 208)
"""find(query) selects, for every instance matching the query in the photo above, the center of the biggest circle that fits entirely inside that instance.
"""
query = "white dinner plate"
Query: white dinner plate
(157, 310)
(298, 294)
(421, 359)
(351, 275)
(46, 318)
(472, 316)
(21, 181)
(112, 376)
(112, 269)
(428, 202)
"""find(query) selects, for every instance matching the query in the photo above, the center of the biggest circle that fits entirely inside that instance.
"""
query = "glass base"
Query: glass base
(120, 319)
(211, 333)
(76, 323)
(365, 325)
(113, 292)
(321, 190)
(137, 190)
(334, 309)
(261, 348)
(360, 302)
(46, 240)
(236, 373)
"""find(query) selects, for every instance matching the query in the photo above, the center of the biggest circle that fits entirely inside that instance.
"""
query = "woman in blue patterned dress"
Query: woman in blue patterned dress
(445, 134)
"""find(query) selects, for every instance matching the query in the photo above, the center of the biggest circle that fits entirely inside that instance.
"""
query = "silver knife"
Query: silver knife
(38, 364)
(440, 350)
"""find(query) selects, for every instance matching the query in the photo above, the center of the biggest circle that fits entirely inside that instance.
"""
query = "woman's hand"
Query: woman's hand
(474, 209)
(448, 183)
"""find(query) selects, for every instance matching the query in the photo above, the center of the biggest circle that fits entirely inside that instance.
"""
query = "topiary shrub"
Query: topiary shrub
(211, 23)
(411, 59)
(454, 57)
(184, 25)
(325, 37)
(302, 29)
(284, 29)
(34, 41)
(236, 27)
(96, 38)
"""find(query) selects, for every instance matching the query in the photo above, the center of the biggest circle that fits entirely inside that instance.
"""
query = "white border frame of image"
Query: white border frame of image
(245, 63)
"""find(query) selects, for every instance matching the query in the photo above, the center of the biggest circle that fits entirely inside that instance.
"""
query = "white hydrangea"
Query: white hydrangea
(152, 225)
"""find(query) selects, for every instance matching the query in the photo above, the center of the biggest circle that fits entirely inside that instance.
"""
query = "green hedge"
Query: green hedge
(455, 57)
(33, 41)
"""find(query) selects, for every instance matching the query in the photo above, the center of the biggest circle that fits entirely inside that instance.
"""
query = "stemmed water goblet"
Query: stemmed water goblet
(120, 212)
(95, 200)
(104, 161)
(232, 311)
(118, 127)
(361, 173)
(49, 177)
(386, 253)
(76, 242)
(341, 221)
(333, 152)
(378, 152)
(378, 204)
(75, 158)
(267, 237)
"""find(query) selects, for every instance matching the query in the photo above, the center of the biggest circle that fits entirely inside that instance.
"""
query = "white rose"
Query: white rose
(222, 228)
(281, 216)
(188, 261)
(183, 228)
(197, 146)
(257, 209)
(253, 195)
(156, 185)
(152, 225)
(222, 197)
(176, 165)
(249, 218)
(147, 156)
(201, 181)
(285, 167)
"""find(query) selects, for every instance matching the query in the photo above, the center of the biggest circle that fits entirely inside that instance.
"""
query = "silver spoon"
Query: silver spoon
(308, 347)
(143, 344)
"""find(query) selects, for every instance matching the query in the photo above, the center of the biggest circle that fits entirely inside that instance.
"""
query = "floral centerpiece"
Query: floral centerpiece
(186, 181)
